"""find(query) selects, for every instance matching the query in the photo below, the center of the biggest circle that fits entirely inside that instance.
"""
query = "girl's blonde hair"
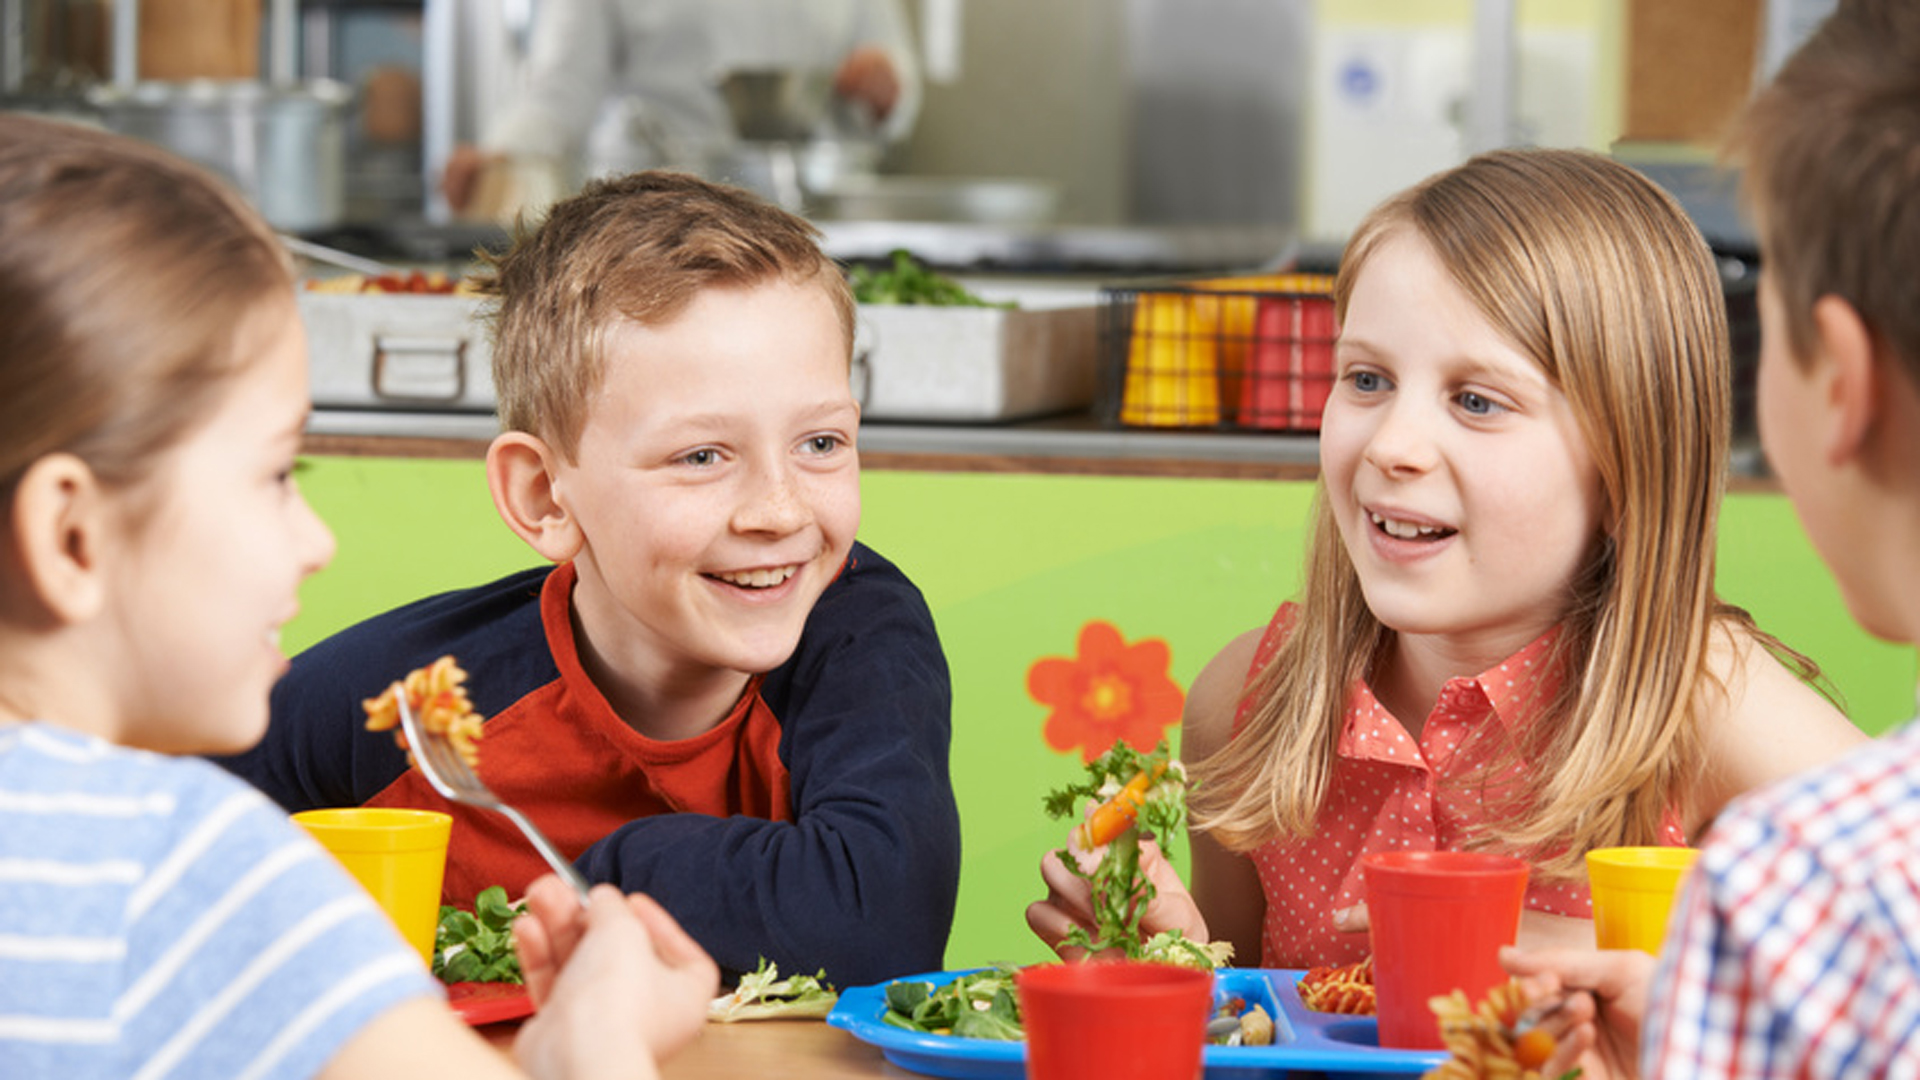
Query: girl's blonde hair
(1600, 277)
(124, 273)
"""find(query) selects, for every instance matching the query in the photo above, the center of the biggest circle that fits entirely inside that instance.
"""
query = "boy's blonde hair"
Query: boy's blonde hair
(638, 248)
(1600, 277)
(124, 273)
(1831, 149)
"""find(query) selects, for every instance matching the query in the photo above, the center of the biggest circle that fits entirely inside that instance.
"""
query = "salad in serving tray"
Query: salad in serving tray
(967, 1024)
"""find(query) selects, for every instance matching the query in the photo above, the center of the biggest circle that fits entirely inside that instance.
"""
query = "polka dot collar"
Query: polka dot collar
(1507, 692)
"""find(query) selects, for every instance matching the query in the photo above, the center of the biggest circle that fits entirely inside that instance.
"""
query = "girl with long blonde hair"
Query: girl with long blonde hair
(1508, 637)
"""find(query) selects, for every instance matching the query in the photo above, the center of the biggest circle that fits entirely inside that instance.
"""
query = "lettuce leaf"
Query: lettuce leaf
(1120, 889)
(763, 995)
(477, 946)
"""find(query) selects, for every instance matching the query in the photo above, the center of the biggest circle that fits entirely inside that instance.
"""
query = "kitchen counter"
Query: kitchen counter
(1073, 443)
(1070, 444)
(955, 247)
(1108, 251)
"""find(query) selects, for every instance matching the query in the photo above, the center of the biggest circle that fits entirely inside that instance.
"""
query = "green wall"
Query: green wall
(1013, 566)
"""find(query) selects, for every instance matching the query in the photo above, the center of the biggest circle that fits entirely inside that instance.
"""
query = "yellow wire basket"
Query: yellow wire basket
(1251, 353)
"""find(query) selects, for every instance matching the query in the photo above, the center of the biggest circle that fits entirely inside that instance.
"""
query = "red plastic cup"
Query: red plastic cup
(1110, 1020)
(1291, 373)
(1438, 920)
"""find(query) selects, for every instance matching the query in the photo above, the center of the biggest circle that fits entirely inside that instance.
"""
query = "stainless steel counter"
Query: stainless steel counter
(1062, 444)
(1118, 249)
(1113, 250)
(1073, 443)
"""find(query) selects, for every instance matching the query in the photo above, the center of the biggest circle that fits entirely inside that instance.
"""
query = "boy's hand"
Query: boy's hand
(616, 983)
(1069, 902)
(1599, 1031)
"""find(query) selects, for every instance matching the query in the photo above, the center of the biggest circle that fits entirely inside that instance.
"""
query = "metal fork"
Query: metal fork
(440, 762)
(1534, 1015)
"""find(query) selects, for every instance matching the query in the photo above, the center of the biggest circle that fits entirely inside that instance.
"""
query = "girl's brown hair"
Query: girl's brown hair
(124, 273)
(1601, 278)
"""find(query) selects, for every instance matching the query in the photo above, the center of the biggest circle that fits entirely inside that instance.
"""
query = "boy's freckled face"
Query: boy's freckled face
(717, 483)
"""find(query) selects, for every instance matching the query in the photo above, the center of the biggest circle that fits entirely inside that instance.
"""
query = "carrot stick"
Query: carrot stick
(1112, 817)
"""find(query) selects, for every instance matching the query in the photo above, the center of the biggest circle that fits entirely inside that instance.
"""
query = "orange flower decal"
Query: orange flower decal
(1111, 691)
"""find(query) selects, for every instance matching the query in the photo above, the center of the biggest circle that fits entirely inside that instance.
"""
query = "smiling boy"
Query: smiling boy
(715, 695)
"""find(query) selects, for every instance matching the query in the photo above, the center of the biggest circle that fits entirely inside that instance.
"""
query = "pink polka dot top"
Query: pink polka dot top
(1390, 793)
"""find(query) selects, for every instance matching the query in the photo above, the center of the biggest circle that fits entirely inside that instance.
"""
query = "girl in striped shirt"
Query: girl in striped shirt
(161, 918)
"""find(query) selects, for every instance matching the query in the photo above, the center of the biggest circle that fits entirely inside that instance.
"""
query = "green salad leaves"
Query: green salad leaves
(1133, 795)
(908, 281)
(764, 995)
(977, 1005)
(477, 946)
(1140, 795)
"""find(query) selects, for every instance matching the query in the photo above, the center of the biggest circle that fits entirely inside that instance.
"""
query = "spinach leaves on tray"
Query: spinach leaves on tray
(977, 1005)
(477, 946)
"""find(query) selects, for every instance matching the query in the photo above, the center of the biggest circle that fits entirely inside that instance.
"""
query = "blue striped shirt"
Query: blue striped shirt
(159, 918)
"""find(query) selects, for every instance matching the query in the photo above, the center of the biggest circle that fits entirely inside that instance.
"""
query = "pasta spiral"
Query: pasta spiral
(437, 694)
(1347, 989)
(1476, 1036)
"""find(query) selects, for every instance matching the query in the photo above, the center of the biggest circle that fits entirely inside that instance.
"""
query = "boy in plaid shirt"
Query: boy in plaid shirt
(1793, 950)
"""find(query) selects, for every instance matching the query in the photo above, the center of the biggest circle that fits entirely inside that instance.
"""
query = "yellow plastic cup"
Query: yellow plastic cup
(1633, 891)
(399, 856)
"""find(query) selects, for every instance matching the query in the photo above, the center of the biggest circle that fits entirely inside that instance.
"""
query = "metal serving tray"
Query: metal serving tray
(972, 364)
(404, 351)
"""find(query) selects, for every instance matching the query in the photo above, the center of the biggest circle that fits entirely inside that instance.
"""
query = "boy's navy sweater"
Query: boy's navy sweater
(861, 881)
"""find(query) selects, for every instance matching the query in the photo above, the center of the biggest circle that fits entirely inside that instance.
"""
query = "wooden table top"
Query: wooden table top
(789, 1049)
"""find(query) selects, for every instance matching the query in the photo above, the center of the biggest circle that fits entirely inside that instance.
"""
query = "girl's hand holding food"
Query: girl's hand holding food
(1599, 1030)
(1069, 901)
(618, 985)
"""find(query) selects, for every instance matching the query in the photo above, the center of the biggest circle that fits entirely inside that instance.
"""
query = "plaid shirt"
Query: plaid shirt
(1795, 950)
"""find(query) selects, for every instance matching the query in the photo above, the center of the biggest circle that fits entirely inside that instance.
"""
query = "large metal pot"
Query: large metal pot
(284, 147)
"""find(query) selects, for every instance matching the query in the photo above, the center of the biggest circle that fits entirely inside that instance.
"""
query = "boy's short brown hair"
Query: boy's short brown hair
(635, 247)
(1831, 150)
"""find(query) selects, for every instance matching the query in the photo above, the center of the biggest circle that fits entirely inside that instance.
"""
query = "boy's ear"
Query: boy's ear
(58, 526)
(520, 473)
(1852, 387)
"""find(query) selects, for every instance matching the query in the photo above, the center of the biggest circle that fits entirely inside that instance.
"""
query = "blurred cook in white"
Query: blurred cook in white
(662, 61)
